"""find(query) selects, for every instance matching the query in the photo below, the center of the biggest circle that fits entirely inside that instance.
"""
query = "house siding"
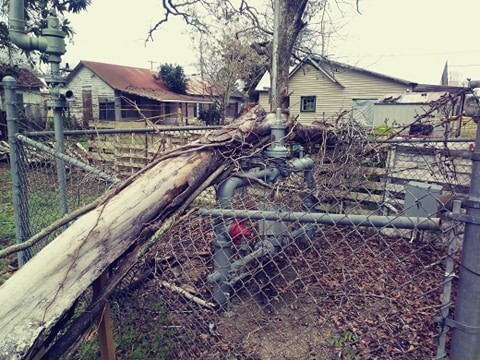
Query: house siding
(264, 100)
(85, 79)
(33, 107)
(333, 98)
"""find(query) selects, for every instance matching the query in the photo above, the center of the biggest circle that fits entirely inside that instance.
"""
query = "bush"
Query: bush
(211, 116)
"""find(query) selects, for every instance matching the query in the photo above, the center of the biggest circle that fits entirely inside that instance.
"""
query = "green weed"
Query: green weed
(136, 336)
(344, 345)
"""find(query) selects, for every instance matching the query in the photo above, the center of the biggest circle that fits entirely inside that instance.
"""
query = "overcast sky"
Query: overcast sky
(409, 39)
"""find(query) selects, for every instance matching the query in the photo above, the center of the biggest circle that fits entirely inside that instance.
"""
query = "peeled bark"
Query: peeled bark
(38, 296)
(35, 297)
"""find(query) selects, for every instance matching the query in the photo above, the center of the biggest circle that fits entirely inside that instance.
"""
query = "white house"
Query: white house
(320, 89)
(110, 92)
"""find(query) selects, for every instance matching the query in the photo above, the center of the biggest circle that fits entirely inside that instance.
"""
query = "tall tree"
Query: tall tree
(256, 17)
(226, 63)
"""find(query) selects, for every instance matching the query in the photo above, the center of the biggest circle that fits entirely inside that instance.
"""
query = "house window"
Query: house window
(167, 109)
(308, 103)
(106, 109)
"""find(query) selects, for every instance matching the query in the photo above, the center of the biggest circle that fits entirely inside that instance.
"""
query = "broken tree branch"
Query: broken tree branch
(113, 232)
(188, 295)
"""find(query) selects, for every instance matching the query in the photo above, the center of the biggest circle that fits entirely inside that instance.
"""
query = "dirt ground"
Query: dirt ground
(348, 295)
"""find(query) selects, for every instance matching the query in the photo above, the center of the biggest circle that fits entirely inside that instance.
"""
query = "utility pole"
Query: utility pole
(274, 77)
(151, 63)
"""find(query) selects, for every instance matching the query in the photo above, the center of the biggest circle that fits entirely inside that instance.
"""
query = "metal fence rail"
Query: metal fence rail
(356, 284)
(349, 253)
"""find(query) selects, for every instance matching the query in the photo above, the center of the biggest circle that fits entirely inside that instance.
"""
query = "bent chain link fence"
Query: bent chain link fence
(94, 160)
(329, 279)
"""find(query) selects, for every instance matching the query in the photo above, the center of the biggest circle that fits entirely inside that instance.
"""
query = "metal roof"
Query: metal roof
(203, 87)
(412, 97)
(136, 81)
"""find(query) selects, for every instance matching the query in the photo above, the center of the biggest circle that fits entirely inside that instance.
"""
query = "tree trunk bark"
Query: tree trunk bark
(290, 25)
(36, 298)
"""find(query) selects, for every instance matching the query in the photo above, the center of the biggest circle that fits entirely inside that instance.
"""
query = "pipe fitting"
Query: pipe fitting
(27, 42)
(222, 240)
(302, 164)
(55, 39)
(227, 189)
(216, 277)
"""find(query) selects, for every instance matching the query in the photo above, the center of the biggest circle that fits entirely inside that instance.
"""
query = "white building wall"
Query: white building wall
(264, 100)
(34, 106)
(85, 79)
(400, 116)
(333, 98)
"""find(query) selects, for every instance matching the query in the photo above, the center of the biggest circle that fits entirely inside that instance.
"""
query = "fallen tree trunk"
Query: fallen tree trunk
(37, 296)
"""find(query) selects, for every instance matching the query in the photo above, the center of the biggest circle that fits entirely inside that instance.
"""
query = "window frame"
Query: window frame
(304, 99)
(106, 109)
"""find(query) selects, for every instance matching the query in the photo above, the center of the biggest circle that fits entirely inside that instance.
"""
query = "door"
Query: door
(87, 107)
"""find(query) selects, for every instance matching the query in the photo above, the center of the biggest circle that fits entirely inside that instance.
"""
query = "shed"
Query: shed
(400, 110)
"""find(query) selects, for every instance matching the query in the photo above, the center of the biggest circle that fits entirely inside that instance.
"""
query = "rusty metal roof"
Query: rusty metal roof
(202, 87)
(26, 79)
(137, 81)
(412, 97)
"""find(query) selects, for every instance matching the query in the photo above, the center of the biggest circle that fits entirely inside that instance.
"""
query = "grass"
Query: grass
(7, 228)
(136, 336)
(7, 223)
(43, 204)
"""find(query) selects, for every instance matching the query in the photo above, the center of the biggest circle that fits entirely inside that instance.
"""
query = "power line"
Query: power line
(464, 65)
(412, 54)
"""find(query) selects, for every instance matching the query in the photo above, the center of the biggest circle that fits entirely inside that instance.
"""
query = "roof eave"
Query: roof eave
(159, 99)
(368, 72)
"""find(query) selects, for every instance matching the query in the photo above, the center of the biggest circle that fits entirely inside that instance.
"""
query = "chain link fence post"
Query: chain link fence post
(466, 334)
(57, 104)
(18, 189)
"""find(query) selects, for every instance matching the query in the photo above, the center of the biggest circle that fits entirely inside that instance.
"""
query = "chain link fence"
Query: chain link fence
(94, 160)
(339, 253)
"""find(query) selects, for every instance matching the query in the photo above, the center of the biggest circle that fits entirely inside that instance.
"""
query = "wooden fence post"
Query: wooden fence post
(105, 333)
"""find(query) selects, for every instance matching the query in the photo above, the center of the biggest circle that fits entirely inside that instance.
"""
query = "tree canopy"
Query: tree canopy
(174, 77)
(304, 26)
